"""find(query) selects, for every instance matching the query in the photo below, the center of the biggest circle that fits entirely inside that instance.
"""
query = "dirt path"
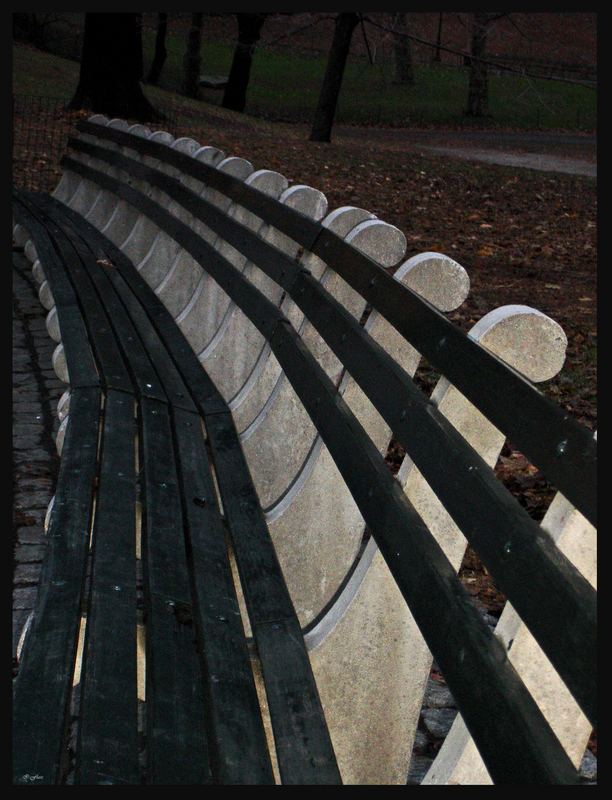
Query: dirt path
(539, 161)
(573, 154)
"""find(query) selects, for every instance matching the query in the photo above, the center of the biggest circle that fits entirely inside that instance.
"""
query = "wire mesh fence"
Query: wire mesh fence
(41, 129)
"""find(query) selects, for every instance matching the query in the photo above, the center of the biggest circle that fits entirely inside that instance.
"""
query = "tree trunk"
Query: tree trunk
(478, 85)
(160, 54)
(332, 80)
(439, 39)
(191, 63)
(249, 30)
(111, 67)
(404, 72)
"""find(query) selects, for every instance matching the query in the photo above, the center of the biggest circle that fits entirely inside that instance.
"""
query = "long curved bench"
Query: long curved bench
(199, 290)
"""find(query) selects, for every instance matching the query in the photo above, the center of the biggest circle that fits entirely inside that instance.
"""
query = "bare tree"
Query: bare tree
(332, 80)
(191, 62)
(478, 90)
(159, 57)
(437, 56)
(111, 67)
(402, 50)
(249, 31)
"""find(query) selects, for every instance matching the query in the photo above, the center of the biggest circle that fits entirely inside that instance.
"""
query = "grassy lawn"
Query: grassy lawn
(42, 74)
(286, 87)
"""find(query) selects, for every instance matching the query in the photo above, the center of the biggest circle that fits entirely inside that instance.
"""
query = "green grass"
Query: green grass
(285, 87)
(29, 65)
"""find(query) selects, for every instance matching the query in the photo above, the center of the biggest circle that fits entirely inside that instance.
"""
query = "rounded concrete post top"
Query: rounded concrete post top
(308, 201)
(140, 130)
(379, 240)
(186, 145)
(120, 124)
(267, 181)
(209, 155)
(163, 137)
(436, 277)
(98, 119)
(238, 167)
(342, 220)
(525, 338)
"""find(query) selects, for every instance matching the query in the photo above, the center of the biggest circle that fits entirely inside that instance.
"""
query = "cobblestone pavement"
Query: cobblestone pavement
(36, 390)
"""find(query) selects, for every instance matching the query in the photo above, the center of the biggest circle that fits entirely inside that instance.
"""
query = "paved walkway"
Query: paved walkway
(540, 161)
(537, 150)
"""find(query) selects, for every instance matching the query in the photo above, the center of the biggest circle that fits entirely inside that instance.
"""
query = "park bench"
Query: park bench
(237, 589)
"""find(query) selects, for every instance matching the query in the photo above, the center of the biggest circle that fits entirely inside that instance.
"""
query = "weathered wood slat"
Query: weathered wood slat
(238, 749)
(177, 751)
(126, 294)
(108, 737)
(79, 357)
(307, 756)
(113, 369)
(198, 381)
(43, 685)
(25, 210)
(116, 324)
(137, 337)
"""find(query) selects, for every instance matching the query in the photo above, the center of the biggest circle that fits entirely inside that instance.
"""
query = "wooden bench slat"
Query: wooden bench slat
(238, 748)
(177, 751)
(538, 431)
(44, 682)
(174, 387)
(95, 314)
(273, 620)
(138, 339)
(27, 213)
(79, 356)
(108, 733)
(171, 380)
(118, 325)
(201, 386)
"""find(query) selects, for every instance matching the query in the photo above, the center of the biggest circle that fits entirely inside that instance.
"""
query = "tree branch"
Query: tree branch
(490, 63)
